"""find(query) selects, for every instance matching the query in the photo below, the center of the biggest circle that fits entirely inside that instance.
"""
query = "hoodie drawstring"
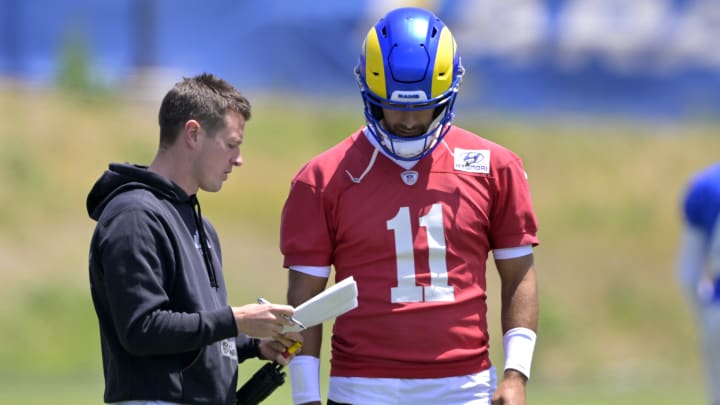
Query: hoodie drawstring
(197, 215)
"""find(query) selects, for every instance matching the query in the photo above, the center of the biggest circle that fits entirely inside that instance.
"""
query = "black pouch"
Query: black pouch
(261, 385)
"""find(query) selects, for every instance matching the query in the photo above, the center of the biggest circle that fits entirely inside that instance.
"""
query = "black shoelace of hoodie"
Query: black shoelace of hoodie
(197, 215)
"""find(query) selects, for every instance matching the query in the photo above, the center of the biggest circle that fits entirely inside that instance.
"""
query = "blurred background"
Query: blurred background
(612, 105)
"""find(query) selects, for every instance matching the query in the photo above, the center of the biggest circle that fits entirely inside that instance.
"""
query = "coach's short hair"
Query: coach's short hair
(205, 98)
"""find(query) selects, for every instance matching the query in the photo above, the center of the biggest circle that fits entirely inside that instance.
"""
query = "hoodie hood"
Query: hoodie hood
(122, 177)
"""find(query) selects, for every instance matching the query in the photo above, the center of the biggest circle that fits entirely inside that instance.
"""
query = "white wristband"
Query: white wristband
(305, 379)
(519, 344)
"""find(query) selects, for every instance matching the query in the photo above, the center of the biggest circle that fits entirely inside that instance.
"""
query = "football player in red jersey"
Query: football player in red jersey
(411, 206)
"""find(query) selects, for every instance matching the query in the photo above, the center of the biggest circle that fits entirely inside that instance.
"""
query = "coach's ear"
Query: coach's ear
(190, 133)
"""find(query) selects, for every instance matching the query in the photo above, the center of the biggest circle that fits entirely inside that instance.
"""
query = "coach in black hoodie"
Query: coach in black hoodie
(167, 332)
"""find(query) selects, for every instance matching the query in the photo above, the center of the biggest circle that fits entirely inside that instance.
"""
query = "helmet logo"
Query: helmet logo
(404, 96)
(409, 177)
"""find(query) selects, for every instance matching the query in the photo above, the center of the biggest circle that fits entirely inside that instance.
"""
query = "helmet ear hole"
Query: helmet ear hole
(376, 112)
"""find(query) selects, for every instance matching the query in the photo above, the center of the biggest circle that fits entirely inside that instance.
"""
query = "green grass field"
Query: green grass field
(614, 328)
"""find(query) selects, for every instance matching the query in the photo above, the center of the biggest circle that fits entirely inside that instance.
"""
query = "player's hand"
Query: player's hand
(282, 349)
(262, 320)
(511, 390)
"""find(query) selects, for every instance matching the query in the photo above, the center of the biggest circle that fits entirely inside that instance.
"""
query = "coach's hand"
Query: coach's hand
(282, 349)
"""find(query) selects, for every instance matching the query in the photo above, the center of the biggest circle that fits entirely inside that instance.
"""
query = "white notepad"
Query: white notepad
(331, 303)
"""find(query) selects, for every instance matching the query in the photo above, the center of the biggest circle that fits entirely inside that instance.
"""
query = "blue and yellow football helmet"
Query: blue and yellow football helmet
(409, 61)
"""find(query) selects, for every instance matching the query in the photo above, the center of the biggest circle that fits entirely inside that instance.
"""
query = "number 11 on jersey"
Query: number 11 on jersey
(407, 290)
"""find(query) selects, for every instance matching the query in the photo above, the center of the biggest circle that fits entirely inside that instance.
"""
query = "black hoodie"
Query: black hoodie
(166, 330)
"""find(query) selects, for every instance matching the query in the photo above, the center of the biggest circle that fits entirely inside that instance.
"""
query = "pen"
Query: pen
(292, 319)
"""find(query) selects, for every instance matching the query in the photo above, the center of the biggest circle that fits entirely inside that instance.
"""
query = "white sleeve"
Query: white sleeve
(691, 262)
(317, 271)
(511, 253)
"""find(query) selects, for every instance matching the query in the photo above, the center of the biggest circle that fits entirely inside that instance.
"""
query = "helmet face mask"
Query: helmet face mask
(409, 62)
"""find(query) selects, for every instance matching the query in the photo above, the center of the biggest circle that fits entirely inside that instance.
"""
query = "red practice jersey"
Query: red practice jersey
(416, 242)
